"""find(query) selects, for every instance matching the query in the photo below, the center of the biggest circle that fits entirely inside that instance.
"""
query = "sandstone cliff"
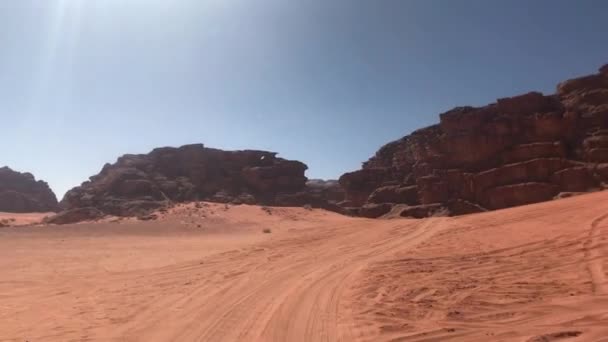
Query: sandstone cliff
(519, 150)
(21, 193)
(139, 183)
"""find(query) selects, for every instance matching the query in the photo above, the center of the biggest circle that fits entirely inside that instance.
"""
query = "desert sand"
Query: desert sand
(210, 273)
(12, 219)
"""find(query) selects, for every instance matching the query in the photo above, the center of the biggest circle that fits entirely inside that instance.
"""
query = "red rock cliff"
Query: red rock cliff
(519, 150)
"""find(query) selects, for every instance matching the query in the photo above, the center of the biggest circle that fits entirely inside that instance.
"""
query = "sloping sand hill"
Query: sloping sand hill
(210, 273)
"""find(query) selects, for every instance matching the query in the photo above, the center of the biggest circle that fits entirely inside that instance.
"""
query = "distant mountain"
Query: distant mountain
(21, 193)
(136, 184)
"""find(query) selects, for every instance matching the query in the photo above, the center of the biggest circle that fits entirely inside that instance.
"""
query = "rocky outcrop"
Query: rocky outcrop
(317, 193)
(326, 189)
(374, 210)
(75, 215)
(21, 193)
(519, 150)
(421, 211)
(137, 184)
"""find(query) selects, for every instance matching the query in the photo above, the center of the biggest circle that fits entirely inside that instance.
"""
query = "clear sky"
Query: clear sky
(325, 82)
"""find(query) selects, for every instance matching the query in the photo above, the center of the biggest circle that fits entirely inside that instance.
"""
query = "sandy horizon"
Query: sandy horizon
(211, 273)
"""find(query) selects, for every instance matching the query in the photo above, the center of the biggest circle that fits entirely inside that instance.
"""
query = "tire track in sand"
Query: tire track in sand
(320, 304)
(594, 256)
(300, 297)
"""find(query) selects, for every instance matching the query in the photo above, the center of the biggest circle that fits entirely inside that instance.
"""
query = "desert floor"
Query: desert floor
(210, 273)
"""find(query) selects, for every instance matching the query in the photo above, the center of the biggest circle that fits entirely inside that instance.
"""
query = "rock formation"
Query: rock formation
(136, 184)
(519, 150)
(21, 193)
(326, 189)
(317, 193)
(74, 216)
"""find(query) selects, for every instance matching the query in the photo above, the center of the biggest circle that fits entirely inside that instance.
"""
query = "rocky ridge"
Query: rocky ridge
(137, 184)
(519, 150)
(21, 193)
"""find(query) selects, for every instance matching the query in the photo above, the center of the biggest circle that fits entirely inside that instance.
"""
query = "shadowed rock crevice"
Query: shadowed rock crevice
(519, 150)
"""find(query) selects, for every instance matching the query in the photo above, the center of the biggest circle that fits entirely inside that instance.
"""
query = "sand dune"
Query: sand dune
(534, 273)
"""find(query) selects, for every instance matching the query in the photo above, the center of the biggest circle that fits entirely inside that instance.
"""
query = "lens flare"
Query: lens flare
(57, 52)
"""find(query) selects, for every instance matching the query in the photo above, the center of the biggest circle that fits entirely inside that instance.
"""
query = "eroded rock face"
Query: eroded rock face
(136, 184)
(21, 193)
(317, 193)
(519, 150)
(75, 215)
(327, 189)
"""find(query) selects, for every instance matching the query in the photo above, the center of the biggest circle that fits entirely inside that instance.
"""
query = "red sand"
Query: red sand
(12, 219)
(534, 273)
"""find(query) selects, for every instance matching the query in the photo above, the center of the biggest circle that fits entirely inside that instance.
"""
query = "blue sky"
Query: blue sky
(325, 82)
